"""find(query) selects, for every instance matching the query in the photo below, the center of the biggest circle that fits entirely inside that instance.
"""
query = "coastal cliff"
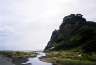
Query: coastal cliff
(74, 32)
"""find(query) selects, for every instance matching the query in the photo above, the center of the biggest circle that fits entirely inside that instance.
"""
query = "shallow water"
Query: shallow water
(36, 60)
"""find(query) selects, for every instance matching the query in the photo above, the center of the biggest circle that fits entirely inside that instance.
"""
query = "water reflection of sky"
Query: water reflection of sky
(36, 61)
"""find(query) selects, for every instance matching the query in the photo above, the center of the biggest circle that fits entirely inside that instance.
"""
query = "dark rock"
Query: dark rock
(74, 31)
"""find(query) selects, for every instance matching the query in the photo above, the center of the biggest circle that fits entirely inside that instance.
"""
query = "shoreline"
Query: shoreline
(57, 59)
(15, 57)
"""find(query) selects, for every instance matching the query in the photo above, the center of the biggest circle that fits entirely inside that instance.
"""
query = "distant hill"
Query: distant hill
(74, 32)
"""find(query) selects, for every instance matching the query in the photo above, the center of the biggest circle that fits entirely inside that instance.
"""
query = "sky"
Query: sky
(28, 24)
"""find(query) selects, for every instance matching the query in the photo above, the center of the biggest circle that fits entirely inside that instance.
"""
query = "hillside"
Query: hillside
(75, 32)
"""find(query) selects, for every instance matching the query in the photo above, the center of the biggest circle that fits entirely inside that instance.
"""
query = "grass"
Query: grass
(70, 58)
(18, 57)
(18, 54)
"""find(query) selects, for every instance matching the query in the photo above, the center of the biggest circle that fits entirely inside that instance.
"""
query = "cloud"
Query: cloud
(28, 24)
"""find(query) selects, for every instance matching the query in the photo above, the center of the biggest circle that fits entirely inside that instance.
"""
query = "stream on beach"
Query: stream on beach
(36, 60)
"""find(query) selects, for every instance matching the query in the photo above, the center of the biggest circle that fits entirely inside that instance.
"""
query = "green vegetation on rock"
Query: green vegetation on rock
(74, 32)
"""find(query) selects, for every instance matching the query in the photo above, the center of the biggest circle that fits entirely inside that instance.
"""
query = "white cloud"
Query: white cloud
(28, 24)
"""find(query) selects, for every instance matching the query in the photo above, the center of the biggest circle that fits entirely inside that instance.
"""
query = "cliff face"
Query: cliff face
(74, 32)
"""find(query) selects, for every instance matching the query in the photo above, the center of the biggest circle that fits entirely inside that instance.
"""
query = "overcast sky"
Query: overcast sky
(28, 24)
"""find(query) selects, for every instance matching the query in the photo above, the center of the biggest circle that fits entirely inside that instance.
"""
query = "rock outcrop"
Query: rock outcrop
(74, 32)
